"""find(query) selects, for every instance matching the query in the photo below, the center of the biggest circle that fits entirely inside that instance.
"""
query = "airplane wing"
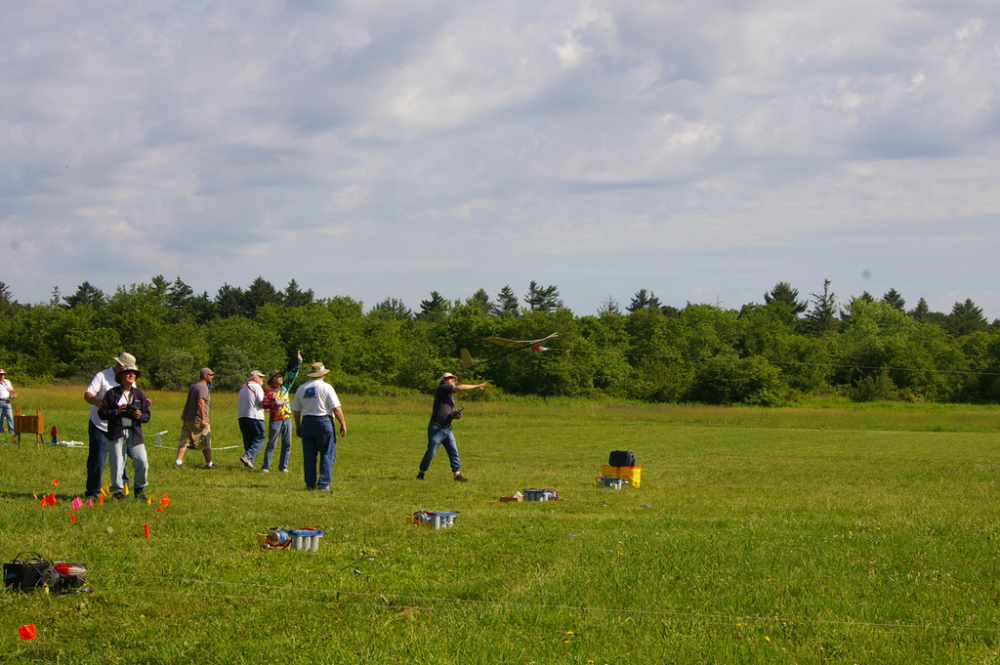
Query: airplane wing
(517, 344)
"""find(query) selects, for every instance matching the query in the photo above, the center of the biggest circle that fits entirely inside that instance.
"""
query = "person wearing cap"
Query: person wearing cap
(7, 393)
(280, 424)
(97, 428)
(196, 431)
(439, 430)
(125, 408)
(250, 414)
(316, 405)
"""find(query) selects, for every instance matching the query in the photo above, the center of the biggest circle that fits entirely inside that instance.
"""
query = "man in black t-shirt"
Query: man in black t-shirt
(439, 430)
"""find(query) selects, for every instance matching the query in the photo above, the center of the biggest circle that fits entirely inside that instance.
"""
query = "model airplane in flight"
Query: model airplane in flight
(507, 346)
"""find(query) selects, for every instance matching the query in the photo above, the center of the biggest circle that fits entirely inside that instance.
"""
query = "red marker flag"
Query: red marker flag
(26, 632)
(55, 483)
(51, 499)
(146, 529)
(72, 518)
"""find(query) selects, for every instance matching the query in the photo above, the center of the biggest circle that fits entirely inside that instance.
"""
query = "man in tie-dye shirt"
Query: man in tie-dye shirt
(280, 426)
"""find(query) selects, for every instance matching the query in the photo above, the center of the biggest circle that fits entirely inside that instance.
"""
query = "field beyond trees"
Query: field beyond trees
(831, 532)
(764, 354)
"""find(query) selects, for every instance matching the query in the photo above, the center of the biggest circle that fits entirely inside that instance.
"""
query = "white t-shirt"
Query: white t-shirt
(316, 397)
(101, 383)
(5, 390)
(248, 402)
(125, 399)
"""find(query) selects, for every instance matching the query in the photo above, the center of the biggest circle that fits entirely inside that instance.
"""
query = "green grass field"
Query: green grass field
(830, 533)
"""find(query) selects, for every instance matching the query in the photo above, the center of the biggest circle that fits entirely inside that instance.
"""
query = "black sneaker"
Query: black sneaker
(139, 495)
(420, 476)
(211, 466)
(118, 496)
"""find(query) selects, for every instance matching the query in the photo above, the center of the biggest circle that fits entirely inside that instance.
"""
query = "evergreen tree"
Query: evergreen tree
(507, 303)
(966, 318)
(894, 299)
(920, 313)
(481, 299)
(260, 293)
(179, 297)
(643, 300)
(822, 318)
(229, 301)
(292, 296)
(783, 292)
(542, 298)
(609, 306)
(56, 298)
(434, 307)
(159, 285)
(391, 308)
(87, 295)
(7, 303)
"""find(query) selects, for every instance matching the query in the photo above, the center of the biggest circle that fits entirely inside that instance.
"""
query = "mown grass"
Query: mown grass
(828, 534)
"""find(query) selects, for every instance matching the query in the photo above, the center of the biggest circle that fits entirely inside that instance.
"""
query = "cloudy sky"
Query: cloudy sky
(701, 150)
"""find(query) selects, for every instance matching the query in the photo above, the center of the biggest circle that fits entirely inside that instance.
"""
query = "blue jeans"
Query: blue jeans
(318, 439)
(120, 448)
(278, 429)
(100, 445)
(437, 436)
(6, 416)
(253, 437)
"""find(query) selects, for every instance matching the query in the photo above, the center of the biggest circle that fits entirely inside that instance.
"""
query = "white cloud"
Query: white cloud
(695, 149)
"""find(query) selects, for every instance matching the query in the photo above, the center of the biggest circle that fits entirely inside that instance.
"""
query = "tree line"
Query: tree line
(866, 347)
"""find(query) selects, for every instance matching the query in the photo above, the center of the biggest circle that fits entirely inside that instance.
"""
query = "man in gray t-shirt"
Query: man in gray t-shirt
(195, 430)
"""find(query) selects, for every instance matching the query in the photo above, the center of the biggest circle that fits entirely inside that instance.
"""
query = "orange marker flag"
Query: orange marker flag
(165, 501)
(26, 632)
(55, 483)
(100, 499)
(45, 502)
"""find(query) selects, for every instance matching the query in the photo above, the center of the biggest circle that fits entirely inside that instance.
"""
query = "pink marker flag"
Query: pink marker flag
(90, 503)
(77, 503)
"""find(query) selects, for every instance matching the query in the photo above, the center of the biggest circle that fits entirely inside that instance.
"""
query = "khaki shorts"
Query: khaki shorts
(193, 436)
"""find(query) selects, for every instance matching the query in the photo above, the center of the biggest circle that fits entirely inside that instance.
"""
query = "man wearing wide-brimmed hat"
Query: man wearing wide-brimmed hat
(7, 393)
(125, 408)
(97, 428)
(316, 405)
(250, 415)
(439, 430)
